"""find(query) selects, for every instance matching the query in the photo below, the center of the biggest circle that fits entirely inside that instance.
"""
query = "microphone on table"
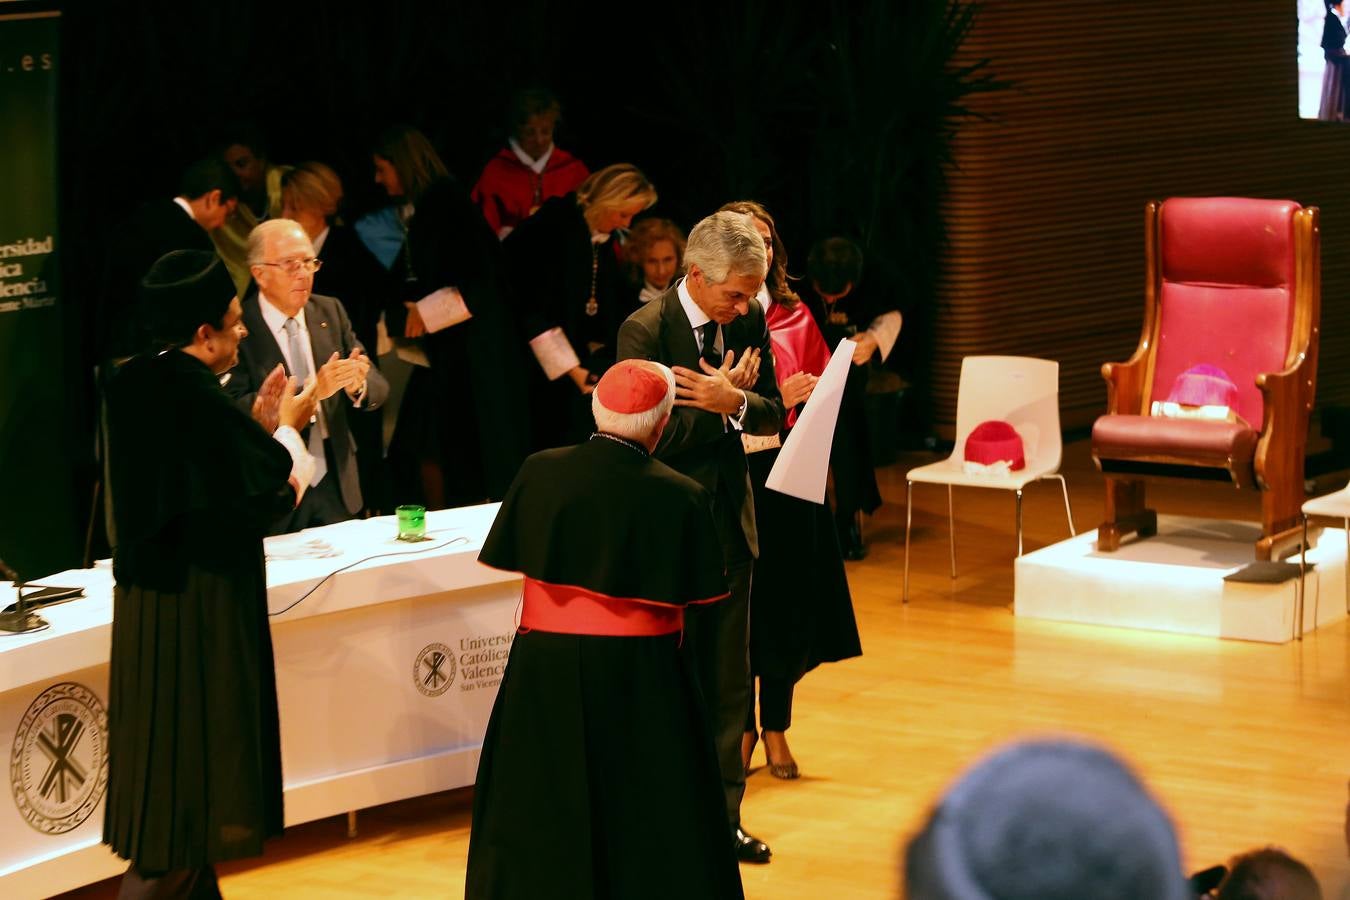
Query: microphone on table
(18, 620)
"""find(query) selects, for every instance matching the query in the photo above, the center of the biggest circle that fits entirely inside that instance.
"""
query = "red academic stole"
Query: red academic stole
(797, 344)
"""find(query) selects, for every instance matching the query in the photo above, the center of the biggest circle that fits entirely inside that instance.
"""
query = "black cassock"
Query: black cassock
(194, 744)
(598, 776)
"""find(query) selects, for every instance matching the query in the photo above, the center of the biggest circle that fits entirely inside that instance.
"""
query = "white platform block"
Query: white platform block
(1174, 582)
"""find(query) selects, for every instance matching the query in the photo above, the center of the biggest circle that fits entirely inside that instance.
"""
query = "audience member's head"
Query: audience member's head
(1046, 820)
(777, 279)
(656, 249)
(834, 266)
(1268, 874)
(211, 189)
(532, 116)
(310, 194)
(633, 400)
(611, 197)
(189, 300)
(244, 150)
(406, 164)
(281, 258)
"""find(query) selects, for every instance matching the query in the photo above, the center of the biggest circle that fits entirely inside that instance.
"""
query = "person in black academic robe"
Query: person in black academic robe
(193, 740)
(843, 309)
(550, 256)
(465, 414)
(598, 777)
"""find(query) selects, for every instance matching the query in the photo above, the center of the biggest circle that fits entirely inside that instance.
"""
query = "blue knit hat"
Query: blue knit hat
(1046, 820)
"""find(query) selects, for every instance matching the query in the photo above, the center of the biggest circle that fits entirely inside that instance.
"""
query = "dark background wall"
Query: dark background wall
(1112, 106)
(832, 114)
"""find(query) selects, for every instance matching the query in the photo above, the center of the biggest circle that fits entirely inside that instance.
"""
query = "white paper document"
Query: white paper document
(442, 309)
(804, 462)
(554, 352)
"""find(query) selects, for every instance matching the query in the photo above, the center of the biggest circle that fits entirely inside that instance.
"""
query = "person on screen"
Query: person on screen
(1332, 107)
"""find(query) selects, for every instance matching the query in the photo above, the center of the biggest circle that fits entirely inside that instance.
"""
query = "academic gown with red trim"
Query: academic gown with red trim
(509, 192)
(598, 777)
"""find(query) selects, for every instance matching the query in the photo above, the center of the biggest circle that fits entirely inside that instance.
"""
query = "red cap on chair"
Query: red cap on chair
(995, 441)
(630, 387)
(1204, 385)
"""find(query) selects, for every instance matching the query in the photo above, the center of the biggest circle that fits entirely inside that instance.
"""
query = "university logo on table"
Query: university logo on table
(434, 670)
(58, 767)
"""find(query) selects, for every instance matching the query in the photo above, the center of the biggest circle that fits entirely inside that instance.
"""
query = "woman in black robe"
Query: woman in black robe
(572, 295)
(843, 309)
(460, 432)
(801, 611)
(194, 746)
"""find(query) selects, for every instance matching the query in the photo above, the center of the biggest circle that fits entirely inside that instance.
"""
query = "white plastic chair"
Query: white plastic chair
(1016, 389)
(1329, 506)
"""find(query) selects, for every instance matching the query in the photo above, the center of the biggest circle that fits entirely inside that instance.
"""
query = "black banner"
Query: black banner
(38, 533)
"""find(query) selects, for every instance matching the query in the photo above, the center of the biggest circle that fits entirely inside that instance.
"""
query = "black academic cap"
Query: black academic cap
(183, 290)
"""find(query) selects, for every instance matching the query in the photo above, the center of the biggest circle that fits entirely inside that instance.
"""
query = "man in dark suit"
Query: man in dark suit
(310, 336)
(710, 330)
(207, 194)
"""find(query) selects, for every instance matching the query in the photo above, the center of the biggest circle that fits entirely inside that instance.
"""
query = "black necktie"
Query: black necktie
(710, 351)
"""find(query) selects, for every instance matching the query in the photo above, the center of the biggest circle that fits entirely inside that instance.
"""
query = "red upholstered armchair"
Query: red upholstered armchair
(1232, 283)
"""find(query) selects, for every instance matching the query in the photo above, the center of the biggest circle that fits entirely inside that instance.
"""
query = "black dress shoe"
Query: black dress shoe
(851, 542)
(750, 849)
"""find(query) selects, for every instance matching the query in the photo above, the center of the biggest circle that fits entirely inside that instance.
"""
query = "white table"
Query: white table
(370, 713)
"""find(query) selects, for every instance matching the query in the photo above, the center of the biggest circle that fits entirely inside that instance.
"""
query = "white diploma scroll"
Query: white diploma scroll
(554, 352)
(442, 309)
(804, 462)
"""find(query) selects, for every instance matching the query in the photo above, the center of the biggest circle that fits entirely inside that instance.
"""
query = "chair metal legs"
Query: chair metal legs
(1302, 580)
(1068, 510)
(909, 517)
(951, 530)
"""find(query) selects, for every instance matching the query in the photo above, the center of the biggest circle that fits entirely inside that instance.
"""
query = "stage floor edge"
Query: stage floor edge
(1174, 582)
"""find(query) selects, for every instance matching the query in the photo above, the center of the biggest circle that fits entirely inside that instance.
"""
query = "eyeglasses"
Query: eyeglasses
(297, 266)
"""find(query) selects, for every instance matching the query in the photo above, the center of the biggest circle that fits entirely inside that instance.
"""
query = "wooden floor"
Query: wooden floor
(1245, 744)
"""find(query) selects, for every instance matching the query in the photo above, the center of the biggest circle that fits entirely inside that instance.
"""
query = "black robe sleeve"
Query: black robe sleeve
(192, 477)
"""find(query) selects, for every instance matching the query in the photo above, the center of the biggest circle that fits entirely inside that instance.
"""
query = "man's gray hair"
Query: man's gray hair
(257, 238)
(636, 426)
(725, 244)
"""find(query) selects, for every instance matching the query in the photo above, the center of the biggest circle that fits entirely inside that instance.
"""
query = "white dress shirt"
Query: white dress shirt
(276, 324)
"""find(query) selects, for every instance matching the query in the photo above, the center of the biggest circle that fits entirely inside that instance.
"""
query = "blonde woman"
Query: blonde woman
(571, 294)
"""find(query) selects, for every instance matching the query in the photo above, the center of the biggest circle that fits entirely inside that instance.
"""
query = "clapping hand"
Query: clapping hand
(711, 391)
(797, 388)
(296, 410)
(342, 374)
(746, 371)
(361, 363)
(267, 405)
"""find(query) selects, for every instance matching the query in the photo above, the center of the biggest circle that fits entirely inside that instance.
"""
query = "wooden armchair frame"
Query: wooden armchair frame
(1277, 469)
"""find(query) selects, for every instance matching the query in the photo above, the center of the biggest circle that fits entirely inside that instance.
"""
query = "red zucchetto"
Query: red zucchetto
(630, 387)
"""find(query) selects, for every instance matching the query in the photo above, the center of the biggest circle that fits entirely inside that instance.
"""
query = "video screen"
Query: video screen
(1323, 66)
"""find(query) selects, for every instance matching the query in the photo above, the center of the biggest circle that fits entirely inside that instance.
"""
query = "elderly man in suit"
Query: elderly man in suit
(710, 330)
(310, 336)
